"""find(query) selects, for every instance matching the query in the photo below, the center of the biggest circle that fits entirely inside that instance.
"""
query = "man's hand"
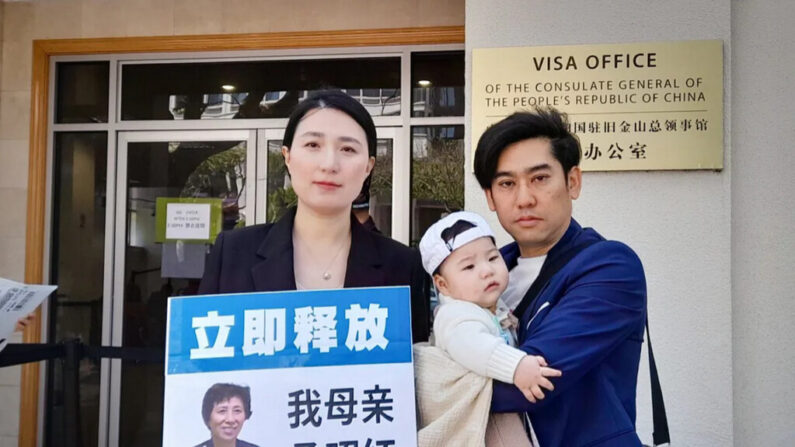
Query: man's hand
(531, 375)
(24, 322)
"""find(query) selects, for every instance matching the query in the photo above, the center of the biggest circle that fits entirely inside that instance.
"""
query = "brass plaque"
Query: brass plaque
(638, 106)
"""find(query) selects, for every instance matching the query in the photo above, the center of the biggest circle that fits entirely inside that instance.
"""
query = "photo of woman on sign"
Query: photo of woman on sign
(225, 408)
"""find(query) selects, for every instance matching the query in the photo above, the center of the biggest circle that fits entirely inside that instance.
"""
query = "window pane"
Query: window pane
(280, 191)
(281, 195)
(81, 92)
(78, 247)
(155, 271)
(253, 89)
(381, 188)
(437, 84)
(437, 175)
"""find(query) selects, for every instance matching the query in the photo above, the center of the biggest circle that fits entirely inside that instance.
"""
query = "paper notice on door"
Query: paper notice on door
(16, 301)
(188, 221)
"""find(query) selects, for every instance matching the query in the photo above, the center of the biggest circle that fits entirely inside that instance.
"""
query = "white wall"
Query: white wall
(763, 245)
(678, 222)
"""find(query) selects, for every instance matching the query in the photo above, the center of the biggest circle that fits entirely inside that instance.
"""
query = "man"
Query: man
(361, 207)
(587, 319)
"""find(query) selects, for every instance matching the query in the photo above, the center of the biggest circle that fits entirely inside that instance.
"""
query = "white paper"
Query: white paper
(188, 221)
(16, 301)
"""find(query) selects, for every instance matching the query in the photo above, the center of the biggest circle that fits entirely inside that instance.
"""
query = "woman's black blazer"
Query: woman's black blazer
(259, 258)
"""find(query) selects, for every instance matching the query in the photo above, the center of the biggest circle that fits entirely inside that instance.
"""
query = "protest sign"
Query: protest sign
(322, 368)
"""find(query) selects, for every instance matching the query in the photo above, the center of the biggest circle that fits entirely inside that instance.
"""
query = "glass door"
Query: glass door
(174, 191)
(388, 187)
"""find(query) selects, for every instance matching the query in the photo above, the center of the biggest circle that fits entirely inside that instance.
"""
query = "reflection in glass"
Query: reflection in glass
(281, 195)
(437, 84)
(381, 188)
(81, 92)
(78, 249)
(254, 89)
(154, 271)
(437, 175)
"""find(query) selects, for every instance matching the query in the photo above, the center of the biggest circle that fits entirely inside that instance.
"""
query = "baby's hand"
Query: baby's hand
(509, 321)
(531, 375)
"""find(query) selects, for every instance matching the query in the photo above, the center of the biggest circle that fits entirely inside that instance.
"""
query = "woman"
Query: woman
(225, 408)
(329, 150)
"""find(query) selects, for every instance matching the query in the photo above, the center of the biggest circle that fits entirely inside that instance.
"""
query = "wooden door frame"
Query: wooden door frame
(39, 97)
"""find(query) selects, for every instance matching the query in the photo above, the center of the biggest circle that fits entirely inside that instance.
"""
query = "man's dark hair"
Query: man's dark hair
(337, 100)
(539, 123)
(222, 392)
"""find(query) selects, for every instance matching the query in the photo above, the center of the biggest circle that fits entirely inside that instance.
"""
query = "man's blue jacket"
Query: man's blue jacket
(587, 322)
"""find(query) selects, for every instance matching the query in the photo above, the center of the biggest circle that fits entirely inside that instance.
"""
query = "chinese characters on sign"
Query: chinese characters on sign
(633, 106)
(375, 407)
(636, 150)
(264, 330)
(324, 368)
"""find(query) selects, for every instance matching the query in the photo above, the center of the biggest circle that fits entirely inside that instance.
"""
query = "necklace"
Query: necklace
(326, 275)
(326, 272)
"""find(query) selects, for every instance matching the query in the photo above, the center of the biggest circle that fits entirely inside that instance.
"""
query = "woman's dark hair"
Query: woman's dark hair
(539, 123)
(222, 392)
(337, 100)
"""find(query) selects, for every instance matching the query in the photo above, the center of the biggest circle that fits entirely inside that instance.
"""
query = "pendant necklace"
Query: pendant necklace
(327, 271)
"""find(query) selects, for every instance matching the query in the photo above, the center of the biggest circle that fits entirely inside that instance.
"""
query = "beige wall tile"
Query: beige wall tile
(9, 375)
(12, 255)
(57, 19)
(306, 15)
(103, 18)
(17, 21)
(9, 441)
(198, 17)
(111, 18)
(9, 411)
(1, 47)
(310, 15)
(14, 115)
(14, 163)
(250, 16)
(1, 20)
(360, 14)
(16, 66)
(149, 17)
(13, 215)
(441, 13)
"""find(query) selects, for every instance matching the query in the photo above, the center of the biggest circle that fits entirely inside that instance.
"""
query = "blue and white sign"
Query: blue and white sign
(313, 368)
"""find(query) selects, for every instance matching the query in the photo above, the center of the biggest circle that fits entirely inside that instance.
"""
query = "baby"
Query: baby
(471, 323)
